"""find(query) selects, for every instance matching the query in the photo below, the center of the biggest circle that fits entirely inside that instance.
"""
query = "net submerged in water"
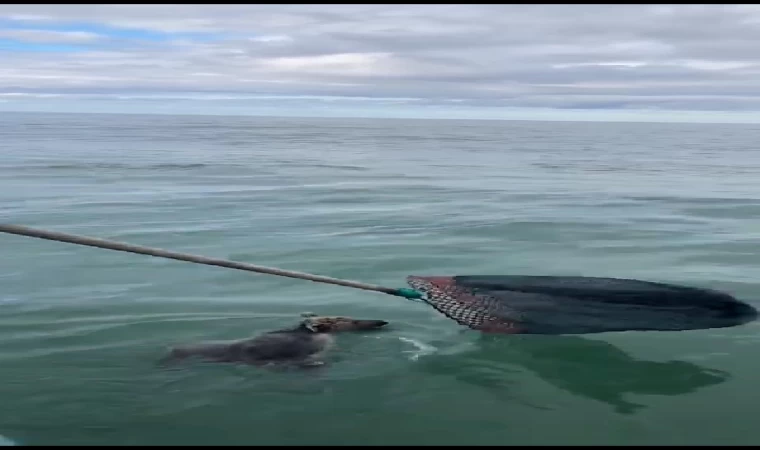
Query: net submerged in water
(515, 304)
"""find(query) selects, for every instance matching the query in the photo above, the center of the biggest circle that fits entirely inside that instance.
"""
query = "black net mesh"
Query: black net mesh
(578, 305)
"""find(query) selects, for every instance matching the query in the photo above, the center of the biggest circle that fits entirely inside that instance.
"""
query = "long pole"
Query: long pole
(161, 253)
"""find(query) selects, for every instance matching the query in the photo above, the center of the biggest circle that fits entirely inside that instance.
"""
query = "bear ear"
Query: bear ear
(316, 326)
(311, 326)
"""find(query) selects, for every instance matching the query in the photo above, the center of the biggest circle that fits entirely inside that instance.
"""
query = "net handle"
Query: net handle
(197, 259)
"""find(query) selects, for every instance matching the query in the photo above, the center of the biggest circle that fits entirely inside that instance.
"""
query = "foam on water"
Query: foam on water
(421, 348)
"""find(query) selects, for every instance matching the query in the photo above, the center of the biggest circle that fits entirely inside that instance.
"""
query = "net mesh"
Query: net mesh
(578, 305)
(479, 312)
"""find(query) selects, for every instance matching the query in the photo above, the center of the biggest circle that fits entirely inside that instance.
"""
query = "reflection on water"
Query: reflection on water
(589, 368)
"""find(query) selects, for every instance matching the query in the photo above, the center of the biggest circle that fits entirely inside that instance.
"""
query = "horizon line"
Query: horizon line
(367, 117)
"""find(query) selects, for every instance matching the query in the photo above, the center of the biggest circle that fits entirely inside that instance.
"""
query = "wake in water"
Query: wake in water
(422, 349)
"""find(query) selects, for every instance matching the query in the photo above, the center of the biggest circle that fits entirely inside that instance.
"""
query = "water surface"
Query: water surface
(372, 200)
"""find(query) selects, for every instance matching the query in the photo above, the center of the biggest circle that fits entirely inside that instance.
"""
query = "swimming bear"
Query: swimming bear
(303, 345)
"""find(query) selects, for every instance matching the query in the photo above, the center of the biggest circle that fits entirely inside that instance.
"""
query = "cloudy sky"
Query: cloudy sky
(577, 62)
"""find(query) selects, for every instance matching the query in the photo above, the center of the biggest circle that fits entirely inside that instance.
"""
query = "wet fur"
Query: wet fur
(303, 346)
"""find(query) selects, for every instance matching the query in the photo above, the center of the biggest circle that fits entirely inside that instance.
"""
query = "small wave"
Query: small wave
(5, 442)
(9, 300)
(340, 167)
(116, 166)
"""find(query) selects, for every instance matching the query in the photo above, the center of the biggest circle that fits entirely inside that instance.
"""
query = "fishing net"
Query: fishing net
(511, 303)
(577, 305)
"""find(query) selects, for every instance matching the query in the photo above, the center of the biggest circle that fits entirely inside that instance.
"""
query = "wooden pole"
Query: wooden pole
(161, 253)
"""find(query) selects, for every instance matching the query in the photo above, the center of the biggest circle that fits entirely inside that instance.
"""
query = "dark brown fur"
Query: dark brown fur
(303, 345)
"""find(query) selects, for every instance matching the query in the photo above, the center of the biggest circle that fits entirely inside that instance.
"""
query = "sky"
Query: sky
(692, 63)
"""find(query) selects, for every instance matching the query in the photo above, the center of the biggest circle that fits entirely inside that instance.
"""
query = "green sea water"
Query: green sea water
(81, 329)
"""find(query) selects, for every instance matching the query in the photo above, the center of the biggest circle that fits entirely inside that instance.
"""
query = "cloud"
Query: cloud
(624, 57)
(49, 36)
